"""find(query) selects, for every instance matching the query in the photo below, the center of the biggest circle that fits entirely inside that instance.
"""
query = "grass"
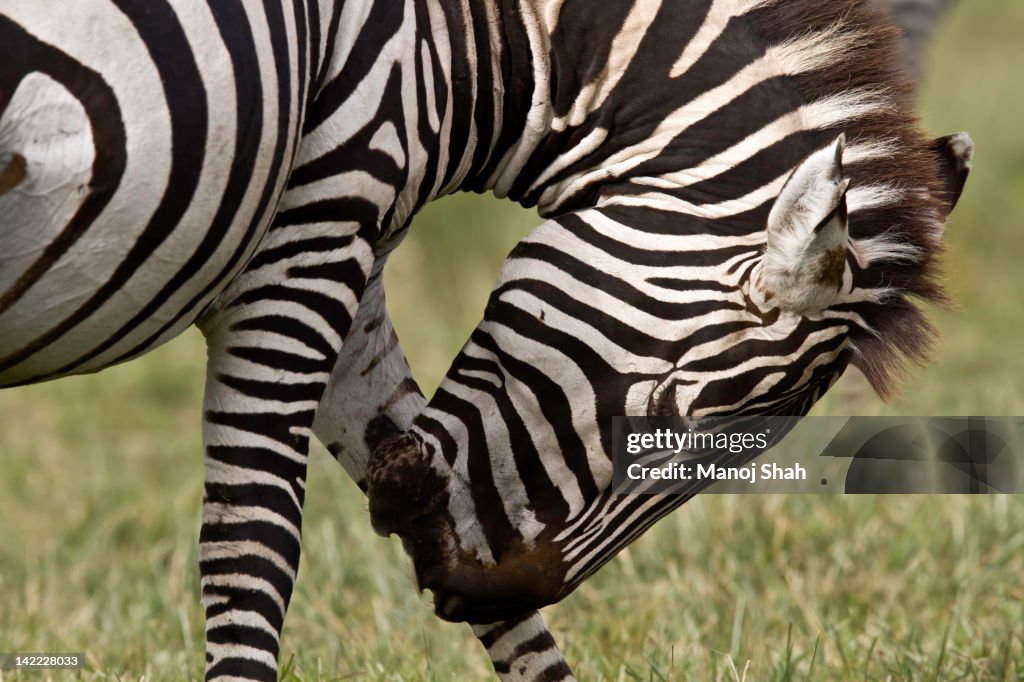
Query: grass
(100, 489)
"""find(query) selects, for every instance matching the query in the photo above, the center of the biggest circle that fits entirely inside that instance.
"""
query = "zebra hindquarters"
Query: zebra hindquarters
(137, 174)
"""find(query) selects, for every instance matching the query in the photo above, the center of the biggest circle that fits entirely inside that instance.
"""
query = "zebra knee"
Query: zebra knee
(404, 491)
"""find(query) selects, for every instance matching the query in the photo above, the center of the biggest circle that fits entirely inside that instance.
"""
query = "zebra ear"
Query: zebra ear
(956, 153)
(805, 258)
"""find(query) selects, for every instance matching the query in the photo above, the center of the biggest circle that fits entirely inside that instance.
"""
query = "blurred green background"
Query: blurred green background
(100, 488)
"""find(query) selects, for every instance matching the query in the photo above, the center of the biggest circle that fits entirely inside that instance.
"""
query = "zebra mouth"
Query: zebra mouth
(523, 580)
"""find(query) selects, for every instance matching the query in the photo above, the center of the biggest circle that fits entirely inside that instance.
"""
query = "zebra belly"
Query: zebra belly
(138, 172)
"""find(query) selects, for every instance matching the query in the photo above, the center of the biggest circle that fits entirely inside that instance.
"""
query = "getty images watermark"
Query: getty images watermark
(678, 455)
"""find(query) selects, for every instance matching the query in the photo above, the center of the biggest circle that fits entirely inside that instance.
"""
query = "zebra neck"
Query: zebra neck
(513, 93)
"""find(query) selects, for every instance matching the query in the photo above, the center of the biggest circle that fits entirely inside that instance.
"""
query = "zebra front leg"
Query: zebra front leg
(523, 650)
(271, 348)
(372, 395)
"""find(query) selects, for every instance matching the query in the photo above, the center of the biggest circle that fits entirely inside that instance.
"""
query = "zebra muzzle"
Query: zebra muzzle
(524, 579)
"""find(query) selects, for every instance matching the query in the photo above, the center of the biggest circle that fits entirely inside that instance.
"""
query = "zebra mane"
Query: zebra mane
(894, 226)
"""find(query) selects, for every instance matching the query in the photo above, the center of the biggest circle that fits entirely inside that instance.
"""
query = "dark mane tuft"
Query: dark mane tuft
(894, 328)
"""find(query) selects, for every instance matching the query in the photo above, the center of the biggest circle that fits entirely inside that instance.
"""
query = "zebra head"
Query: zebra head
(734, 273)
(812, 280)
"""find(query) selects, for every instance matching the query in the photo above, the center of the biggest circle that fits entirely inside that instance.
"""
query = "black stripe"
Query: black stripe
(286, 326)
(254, 566)
(449, 449)
(462, 71)
(429, 140)
(268, 497)
(274, 390)
(333, 31)
(329, 308)
(556, 406)
(257, 459)
(555, 672)
(244, 57)
(726, 391)
(356, 154)
(497, 527)
(270, 424)
(483, 110)
(268, 534)
(577, 226)
(243, 668)
(501, 629)
(252, 636)
(280, 360)
(546, 500)
(383, 22)
(517, 83)
(299, 247)
(624, 335)
(619, 288)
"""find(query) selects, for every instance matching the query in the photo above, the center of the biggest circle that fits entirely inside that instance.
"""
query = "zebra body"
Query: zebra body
(248, 167)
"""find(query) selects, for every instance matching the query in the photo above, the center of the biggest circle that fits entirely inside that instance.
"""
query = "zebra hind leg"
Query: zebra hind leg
(271, 350)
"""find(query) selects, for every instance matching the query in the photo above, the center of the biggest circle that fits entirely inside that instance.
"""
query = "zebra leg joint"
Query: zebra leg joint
(404, 491)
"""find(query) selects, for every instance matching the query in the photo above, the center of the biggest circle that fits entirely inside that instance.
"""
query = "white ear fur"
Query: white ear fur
(802, 269)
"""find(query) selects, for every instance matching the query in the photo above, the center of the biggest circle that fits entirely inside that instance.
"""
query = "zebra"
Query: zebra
(249, 167)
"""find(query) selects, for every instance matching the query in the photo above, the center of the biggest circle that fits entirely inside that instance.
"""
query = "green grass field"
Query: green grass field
(100, 489)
